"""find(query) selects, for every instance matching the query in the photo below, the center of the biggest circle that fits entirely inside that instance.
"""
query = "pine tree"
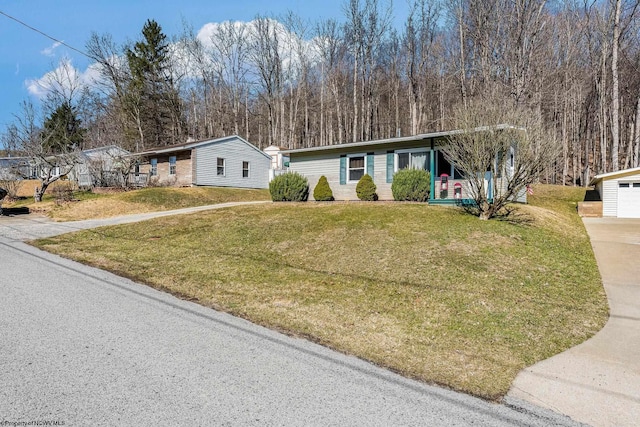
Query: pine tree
(63, 131)
(152, 98)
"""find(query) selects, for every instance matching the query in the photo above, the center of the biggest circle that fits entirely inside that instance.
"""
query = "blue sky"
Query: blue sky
(26, 55)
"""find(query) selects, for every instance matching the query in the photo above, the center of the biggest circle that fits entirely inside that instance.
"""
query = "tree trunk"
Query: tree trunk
(615, 101)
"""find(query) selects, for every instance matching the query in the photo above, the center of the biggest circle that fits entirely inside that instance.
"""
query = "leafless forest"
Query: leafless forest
(284, 81)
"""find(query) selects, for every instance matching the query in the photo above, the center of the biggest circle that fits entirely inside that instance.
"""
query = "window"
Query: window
(356, 167)
(412, 159)
(443, 165)
(154, 167)
(623, 184)
(220, 164)
(172, 165)
(245, 169)
(137, 168)
(636, 185)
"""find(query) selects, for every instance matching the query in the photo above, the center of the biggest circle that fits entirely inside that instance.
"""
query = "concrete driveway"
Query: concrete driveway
(598, 382)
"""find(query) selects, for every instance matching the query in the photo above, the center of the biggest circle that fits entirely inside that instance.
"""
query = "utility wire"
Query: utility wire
(45, 34)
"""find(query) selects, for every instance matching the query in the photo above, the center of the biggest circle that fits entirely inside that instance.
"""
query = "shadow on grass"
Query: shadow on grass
(511, 215)
(14, 211)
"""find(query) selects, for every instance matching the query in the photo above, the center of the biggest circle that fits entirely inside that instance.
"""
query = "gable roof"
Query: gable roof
(612, 175)
(397, 140)
(195, 144)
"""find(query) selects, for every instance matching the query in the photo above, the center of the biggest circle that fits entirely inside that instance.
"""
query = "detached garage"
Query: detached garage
(619, 192)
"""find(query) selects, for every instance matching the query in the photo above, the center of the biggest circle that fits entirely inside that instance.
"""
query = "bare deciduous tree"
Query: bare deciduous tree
(509, 144)
(52, 152)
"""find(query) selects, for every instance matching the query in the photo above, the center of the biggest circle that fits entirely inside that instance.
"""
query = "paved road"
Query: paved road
(598, 382)
(85, 347)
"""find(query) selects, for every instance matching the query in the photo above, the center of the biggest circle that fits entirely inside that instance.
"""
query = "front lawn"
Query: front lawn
(88, 205)
(427, 291)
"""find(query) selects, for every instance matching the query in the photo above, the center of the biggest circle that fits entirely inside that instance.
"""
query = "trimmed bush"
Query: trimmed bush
(411, 185)
(289, 187)
(366, 189)
(322, 192)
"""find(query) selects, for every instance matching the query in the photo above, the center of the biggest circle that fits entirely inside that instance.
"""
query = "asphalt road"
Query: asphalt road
(84, 347)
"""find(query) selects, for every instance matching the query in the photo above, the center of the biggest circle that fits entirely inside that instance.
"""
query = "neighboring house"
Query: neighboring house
(16, 168)
(345, 164)
(99, 167)
(223, 162)
(619, 192)
(279, 161)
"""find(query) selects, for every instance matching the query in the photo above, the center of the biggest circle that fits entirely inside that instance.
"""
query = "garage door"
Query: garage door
(628, 199)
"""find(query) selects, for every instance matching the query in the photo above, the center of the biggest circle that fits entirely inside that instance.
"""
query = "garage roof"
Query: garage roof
(613, 175)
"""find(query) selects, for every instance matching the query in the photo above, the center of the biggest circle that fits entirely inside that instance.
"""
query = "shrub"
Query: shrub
(322, 192)
(11, 186)
(289, 187)
(63, 192)
(412, 185)
(366, 189)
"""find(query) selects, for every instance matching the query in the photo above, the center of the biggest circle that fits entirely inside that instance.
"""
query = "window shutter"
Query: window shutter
(370, 159)
(343, 170)
(390, 160)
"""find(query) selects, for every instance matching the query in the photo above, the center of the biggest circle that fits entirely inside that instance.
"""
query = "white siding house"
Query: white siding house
(222, 162)
(619, 192)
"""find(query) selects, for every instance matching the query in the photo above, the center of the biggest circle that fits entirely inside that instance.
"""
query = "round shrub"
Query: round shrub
(412, 185)
(366, 189)
(289, 187)
(322, 192)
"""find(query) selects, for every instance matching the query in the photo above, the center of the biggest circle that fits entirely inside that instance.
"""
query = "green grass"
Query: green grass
(427, 291)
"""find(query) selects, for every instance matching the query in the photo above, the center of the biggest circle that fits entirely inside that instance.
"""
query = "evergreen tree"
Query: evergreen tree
(152, 98)
(63, 131)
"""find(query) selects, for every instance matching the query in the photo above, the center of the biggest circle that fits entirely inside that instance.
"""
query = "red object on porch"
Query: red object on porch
(457, 191)
(444, 182)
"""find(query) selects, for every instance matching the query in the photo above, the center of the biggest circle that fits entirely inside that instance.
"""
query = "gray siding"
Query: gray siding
(313, 167)
(234, 151)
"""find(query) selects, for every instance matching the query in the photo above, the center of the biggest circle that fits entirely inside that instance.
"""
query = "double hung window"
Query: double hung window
(172, 165)
(356, 167)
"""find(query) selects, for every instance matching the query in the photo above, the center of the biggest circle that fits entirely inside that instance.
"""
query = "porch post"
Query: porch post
(432, 171)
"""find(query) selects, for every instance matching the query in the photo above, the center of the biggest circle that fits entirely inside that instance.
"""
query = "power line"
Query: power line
(44, 34)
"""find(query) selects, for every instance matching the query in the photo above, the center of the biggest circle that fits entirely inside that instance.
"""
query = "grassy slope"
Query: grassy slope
(426, 291)
(90, 205)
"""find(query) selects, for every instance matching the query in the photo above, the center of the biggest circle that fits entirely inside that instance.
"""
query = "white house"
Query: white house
(619, 192)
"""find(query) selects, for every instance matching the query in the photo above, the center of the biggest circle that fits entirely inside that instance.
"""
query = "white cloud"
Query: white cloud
(65, 79)
(50, 51)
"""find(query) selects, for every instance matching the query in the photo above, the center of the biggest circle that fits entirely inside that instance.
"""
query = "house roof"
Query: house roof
(194, 144)
(105, 148)
(396, 140)
(612, 175)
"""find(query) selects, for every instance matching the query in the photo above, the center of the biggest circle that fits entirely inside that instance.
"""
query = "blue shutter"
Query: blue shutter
(390, 161)
(343, 170)
(370, 159)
